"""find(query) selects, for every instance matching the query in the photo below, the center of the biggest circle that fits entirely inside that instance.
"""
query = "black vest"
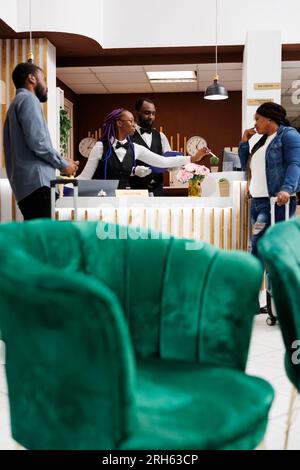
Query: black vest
(115, 169)
(154, 181)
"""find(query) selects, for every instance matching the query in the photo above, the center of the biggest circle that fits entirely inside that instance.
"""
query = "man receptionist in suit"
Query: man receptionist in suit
(150, 138)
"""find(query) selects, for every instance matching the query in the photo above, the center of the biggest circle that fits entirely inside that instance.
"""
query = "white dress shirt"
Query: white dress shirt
(141, 153)
(148, 139)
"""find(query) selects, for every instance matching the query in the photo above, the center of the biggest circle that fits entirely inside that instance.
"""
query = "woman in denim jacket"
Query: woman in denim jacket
(273, 165)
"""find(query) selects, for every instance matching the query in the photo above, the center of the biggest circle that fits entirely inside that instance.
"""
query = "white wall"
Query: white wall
(9, 12)
(192, 22)
(70, 16)
(238, 17)
(160, 23)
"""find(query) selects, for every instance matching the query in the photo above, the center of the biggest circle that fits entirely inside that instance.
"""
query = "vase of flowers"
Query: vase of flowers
(193, 175)
(194, 186)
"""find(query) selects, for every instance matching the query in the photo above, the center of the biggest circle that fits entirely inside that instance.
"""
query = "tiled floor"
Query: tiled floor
(265, 360)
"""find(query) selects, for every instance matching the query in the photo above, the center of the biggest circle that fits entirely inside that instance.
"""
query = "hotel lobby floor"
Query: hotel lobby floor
(265, 360)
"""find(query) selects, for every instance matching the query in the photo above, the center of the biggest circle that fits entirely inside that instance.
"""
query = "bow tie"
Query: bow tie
(149, 131)
(124, 146)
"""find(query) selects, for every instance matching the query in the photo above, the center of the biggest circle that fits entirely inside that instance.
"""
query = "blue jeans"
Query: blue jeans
(261, 217)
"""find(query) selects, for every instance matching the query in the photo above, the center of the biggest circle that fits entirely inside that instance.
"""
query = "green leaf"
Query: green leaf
(65, 126)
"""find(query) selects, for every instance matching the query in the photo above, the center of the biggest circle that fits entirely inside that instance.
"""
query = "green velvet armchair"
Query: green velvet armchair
(280, 250)
(127, 342)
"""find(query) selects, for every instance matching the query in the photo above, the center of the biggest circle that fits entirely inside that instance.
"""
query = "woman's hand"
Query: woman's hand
(248, 134)
(282, 198)
(200, 154)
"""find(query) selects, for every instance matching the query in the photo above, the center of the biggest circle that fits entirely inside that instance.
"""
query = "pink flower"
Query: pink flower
(192, 170)
(191, 167)
(183, 176)
(201, 170)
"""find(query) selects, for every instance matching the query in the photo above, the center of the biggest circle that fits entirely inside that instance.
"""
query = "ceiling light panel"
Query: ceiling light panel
(172, 75)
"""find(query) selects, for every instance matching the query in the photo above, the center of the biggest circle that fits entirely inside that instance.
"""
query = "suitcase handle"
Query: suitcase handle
(54, 183)
(273, 201)
(63, 181)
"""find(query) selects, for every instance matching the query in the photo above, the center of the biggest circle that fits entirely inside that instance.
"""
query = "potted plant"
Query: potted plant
(65, 126)
(224, 187)
(193, 174)
(214, 161)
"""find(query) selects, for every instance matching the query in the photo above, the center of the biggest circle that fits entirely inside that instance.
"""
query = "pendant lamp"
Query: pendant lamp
(216, 91)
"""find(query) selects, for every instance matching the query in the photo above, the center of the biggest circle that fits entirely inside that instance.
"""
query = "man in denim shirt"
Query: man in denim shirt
(274, 165)
(30, 157)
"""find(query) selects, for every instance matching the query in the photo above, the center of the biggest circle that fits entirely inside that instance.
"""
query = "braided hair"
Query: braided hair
(109, 125)
(109, 135)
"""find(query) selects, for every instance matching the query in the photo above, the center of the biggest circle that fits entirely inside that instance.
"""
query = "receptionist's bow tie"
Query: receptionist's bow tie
(149, 131)
(124, 146)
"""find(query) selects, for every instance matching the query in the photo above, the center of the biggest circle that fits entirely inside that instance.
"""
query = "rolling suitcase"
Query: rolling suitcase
(272, 318)
(64, 181)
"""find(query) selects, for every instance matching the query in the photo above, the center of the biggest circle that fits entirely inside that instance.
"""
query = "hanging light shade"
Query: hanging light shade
(216, 91)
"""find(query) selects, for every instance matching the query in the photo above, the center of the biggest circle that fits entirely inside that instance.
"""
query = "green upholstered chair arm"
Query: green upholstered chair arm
(66, 324)
(280, 250)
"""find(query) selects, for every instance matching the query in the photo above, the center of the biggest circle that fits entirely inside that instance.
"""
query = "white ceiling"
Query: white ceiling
(133, 79)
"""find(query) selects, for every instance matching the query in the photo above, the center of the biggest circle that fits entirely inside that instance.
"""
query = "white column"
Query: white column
(261, 68)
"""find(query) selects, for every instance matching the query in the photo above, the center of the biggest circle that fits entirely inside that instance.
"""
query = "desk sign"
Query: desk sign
(258, 102)
(267, 86)
(132, 193)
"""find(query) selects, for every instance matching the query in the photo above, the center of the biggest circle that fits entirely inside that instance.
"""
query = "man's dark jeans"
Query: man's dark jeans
(37, 204)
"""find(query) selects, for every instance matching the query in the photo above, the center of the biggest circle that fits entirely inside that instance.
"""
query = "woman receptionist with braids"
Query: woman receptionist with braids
(113, 157)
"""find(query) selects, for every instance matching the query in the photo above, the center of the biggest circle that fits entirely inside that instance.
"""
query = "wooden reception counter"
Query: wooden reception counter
(221, 221)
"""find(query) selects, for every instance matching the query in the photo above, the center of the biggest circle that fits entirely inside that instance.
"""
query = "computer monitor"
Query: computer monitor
(94, 188)
(231, 159)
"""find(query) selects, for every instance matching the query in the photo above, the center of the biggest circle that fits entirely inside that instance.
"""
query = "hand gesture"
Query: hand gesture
(71, 168)
(248, 134)
(142, 171)
(200, 154)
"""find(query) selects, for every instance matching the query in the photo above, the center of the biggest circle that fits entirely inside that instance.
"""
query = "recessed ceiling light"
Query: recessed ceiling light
(172, 76)
(175, 80)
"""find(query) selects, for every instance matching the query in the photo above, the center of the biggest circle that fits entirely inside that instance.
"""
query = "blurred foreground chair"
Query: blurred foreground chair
(115, 343)
(280, 250)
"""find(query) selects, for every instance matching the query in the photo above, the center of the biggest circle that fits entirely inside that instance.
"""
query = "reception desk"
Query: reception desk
(221, 221)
